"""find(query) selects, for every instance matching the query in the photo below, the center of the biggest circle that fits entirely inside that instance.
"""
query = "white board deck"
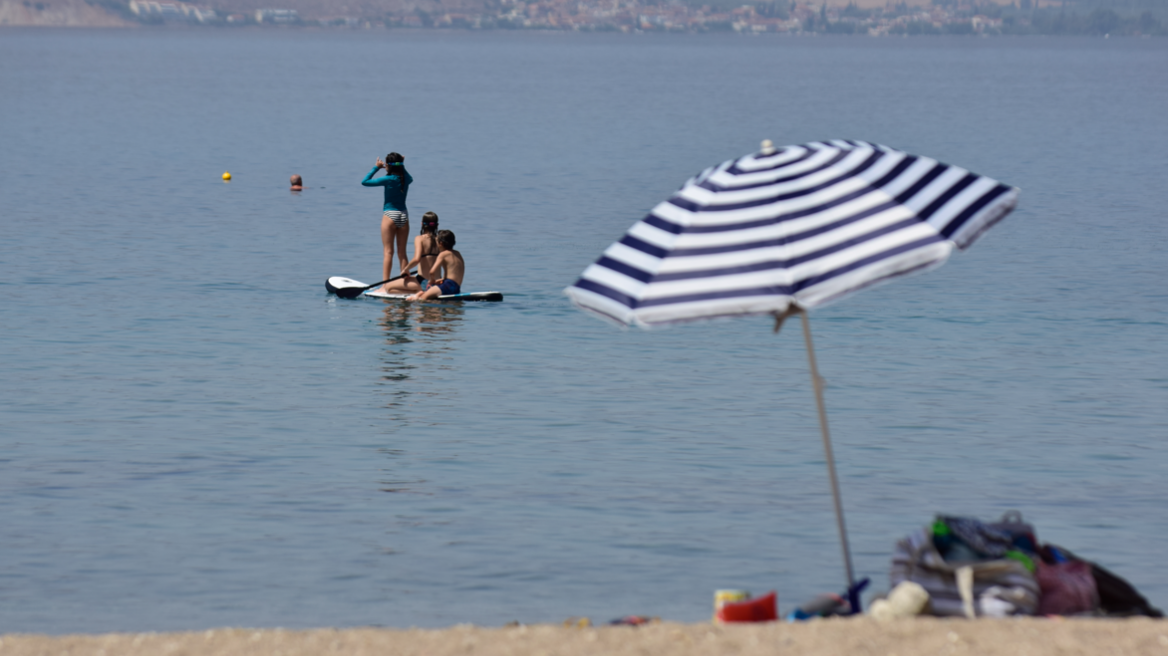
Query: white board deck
(340, 282)
(472, 296)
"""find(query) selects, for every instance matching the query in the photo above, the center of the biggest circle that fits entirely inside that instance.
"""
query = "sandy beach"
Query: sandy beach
(1022, 637)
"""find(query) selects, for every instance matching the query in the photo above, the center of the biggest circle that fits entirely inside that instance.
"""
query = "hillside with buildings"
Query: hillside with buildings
(865, 17)
(61, 13)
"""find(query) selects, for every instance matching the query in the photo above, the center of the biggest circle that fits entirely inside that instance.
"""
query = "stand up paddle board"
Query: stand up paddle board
(337, 283)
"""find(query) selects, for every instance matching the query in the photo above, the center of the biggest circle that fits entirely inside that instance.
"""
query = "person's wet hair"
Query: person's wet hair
(446, 238)
(399, 170)
(429, 223)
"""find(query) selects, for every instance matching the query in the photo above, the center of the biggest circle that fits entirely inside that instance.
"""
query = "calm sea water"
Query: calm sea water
(193, 434)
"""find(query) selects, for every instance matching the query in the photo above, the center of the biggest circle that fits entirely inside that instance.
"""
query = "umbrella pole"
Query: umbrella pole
(817, 383)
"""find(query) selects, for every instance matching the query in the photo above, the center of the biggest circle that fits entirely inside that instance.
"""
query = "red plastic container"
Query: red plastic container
(763, 609)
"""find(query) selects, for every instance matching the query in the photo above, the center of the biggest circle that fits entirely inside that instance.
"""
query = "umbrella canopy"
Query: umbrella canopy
(799, 225)
(786, 230)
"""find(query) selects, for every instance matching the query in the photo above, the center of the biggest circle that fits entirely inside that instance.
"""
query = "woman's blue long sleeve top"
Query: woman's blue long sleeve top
(395, 196)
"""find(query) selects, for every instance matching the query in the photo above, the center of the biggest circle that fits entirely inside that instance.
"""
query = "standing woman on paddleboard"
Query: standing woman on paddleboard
(426, 249)
(395, 219)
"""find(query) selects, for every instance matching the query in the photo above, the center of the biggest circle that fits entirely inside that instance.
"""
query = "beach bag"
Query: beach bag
(1067, 588)
(1116, 597)
(989, 587)
(1021, 533)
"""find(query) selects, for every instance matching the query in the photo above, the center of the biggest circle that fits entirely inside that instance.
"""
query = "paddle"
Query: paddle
(354, 292)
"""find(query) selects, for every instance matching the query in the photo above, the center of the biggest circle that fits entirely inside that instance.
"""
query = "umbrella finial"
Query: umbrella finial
(768, 147)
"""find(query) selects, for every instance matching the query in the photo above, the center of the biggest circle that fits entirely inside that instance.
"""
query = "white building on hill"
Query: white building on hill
(171, 11)
(277, 16)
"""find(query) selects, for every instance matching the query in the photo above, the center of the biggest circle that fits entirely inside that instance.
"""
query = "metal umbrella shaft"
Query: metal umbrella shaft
(817, 383)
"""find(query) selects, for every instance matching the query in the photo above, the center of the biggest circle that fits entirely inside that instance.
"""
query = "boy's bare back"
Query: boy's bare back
(452, 264)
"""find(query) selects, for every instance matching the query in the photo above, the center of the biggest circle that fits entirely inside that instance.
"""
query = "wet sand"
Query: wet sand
(1021, 637)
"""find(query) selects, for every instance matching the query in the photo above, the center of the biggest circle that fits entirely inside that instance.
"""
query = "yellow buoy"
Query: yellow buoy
(226, 176)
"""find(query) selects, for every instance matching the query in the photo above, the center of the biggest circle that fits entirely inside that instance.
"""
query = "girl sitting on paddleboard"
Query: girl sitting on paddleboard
(446, 274)
(395, 219)
(426, 249)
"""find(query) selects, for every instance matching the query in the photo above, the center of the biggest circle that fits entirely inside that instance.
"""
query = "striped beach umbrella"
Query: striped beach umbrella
(786, 230)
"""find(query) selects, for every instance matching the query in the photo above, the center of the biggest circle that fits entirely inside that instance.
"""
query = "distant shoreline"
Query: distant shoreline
(449, 30)
(751, 17)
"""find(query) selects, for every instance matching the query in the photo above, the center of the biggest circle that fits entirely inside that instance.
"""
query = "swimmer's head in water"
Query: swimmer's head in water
(446, 238)
(429, 222)
(296, 181)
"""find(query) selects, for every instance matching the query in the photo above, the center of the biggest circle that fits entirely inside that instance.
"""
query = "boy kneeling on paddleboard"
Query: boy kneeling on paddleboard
(445, 276)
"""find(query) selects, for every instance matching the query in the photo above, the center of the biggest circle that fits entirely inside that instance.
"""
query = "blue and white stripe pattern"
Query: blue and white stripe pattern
(802, 225)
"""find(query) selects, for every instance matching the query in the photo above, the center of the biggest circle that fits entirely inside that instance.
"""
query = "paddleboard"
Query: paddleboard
(338, 282)
(472, 296)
